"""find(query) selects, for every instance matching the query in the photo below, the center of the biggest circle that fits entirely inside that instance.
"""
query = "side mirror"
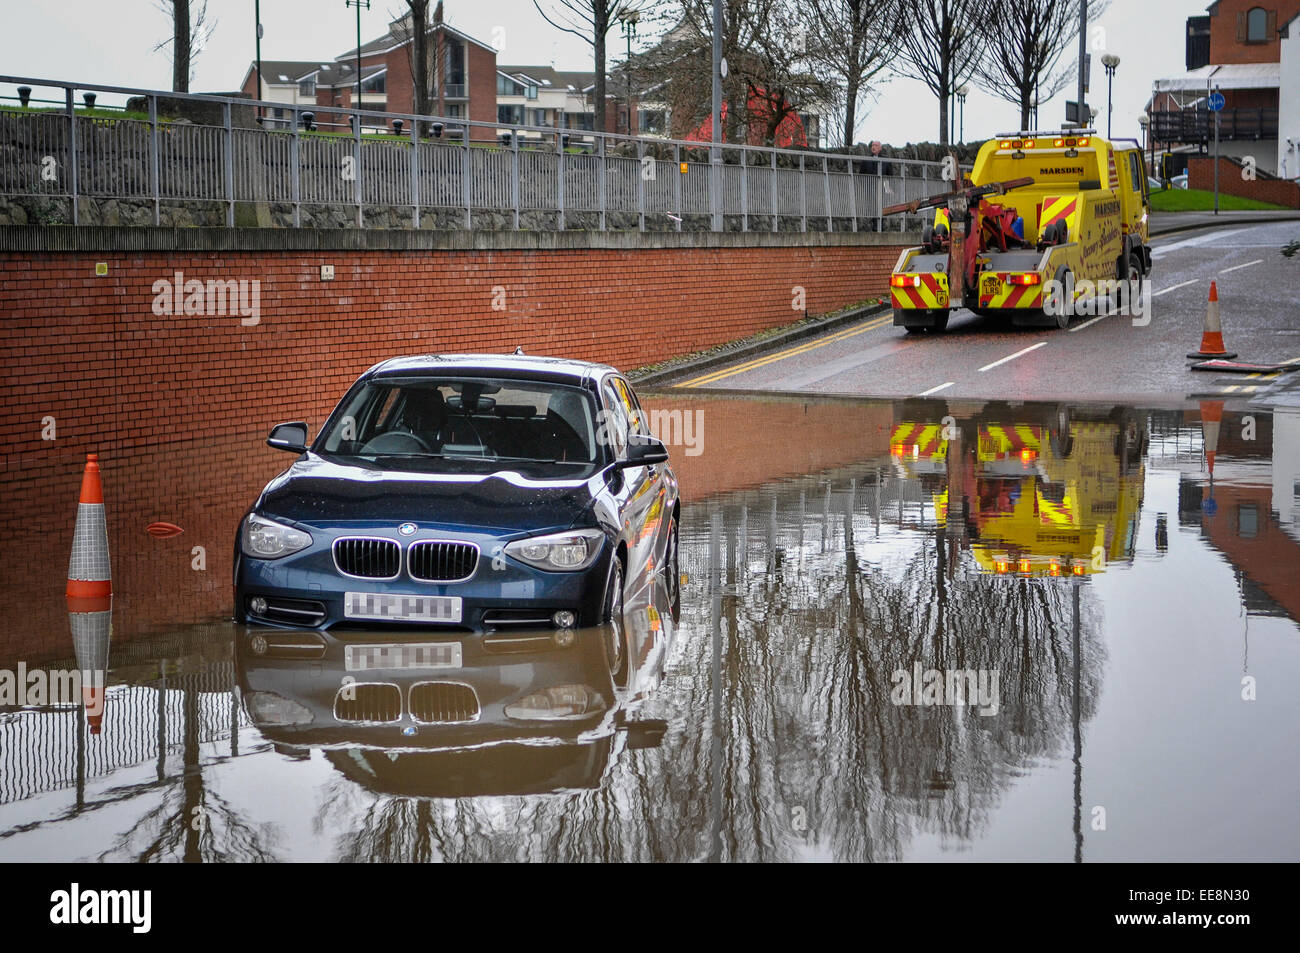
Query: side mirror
(291, 437)
(643, 452)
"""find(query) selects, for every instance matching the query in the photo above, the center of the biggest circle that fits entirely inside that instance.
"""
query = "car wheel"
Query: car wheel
(614, 638)
(671, 564)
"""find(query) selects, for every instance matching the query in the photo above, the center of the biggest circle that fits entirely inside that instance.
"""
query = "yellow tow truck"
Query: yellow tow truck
(1047, 221)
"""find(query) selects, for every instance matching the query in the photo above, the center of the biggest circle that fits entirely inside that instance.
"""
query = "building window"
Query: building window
(584, 121)
(530, 91)
(510, 115)
(307, 87)
(1257, 26)
(651, 121)
(375, 84)
(508, 87)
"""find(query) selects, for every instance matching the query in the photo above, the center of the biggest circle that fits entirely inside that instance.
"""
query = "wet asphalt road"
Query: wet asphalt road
(1107, 358)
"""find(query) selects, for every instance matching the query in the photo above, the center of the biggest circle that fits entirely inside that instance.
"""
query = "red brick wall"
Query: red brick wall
(87, 349)
(1200, 175)
(481, 66)
(1224, 45)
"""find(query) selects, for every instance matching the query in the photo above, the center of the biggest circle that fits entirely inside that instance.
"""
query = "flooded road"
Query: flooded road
(904, 630)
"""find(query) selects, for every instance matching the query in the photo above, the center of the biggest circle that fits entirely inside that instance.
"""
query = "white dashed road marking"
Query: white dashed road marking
(1012, 357)
(1257, 261)
(935, 390)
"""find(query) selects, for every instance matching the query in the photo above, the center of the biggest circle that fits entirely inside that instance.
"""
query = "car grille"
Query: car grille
(432, 561)
(371, 702)
(367, 557)
(439, 703)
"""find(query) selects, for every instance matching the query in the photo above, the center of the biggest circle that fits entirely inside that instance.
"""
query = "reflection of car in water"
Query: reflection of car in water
(1038, 489)
(525, 712)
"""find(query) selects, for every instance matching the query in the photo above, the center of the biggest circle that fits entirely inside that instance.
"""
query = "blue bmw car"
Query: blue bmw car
(471, 493)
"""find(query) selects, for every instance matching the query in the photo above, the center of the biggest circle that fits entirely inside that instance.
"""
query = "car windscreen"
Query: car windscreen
(396, 422)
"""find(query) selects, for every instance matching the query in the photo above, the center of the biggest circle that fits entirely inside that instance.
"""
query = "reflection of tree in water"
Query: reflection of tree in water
(817, 605)
(191, 822)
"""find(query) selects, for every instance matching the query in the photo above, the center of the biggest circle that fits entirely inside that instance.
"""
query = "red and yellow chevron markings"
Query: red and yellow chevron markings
(918, 440)
(920, 290)
(997, 442)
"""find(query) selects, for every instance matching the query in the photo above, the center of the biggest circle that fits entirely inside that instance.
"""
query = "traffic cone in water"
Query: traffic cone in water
(1212, 336)
(90, 592)
(92, 630)
(1211, 420)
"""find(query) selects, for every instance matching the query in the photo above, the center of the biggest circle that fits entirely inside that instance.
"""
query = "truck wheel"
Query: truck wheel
(1062, 308)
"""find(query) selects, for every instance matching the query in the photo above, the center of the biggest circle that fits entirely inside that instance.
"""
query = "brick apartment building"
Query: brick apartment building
(1242, 49)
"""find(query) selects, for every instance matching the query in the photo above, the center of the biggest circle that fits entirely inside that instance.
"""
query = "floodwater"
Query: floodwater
(907, 630)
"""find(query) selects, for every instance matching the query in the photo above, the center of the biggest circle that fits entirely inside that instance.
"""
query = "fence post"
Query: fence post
(776, 209)
(640, 186)
(514, 174)
(853, 196)
(880, 195)
(559, 179)
(803, 194)
(72, 154)
(154, 185)
(677, 184)
(356, 149)
(744, 189)
(295, 173)
(600, 178)
(466, 172)
(415, 173)
(229, 164)
(826, 186)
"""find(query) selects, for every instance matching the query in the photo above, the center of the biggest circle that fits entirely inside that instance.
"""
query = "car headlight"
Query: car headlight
(562, 552)
(267, 539)
(561, 703)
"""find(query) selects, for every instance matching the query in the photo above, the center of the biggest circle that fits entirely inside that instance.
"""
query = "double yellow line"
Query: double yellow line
(788, 352)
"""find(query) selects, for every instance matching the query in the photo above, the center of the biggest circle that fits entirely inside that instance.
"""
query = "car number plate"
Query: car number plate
(364, 658)
(386, 607)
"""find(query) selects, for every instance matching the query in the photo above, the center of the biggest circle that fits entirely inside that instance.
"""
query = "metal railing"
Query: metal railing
(439, 172)
(1197, 125)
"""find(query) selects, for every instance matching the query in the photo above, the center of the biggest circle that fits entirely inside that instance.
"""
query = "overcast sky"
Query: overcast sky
(111, 42)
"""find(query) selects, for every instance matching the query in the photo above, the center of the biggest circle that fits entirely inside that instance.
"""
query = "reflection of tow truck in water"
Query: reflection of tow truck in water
(1048, 494)
(1049, 219)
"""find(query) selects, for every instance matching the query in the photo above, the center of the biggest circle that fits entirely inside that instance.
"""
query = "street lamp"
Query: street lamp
(1110, 61)
(962, 91)
(1145, 121)
(359, 4)
(628, 20)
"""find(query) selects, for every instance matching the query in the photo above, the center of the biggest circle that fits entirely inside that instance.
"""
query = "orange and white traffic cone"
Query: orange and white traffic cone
(1212, 336)
(90, 593)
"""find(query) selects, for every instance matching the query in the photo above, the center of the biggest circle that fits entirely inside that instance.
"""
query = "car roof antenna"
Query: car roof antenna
(519, 349)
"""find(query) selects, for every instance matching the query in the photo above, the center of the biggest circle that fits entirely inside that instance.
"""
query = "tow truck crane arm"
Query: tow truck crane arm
(972, 195)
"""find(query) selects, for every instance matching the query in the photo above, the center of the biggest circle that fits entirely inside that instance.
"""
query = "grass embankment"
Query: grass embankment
(1200, 200)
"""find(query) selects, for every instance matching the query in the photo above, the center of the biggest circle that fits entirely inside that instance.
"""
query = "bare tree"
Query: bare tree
(426, 58)
(591, 21)
(770, 75)
(855, 40)
(941, 47)
(191, 31)
(1021, 62)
